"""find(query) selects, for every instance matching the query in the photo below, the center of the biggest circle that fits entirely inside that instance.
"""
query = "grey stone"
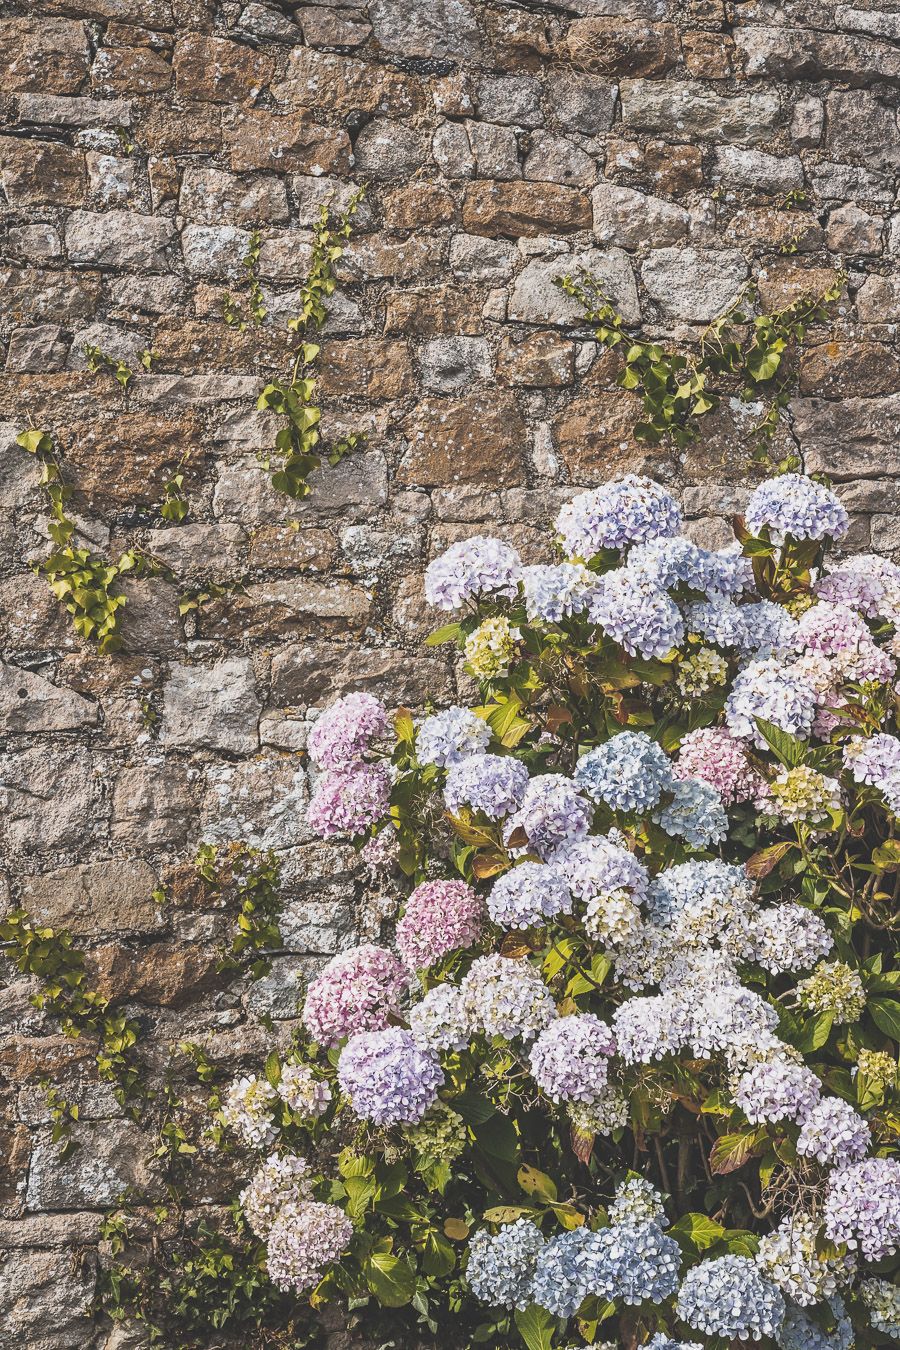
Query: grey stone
(267, 22)
(389, 149)
(810, 54)
(311, 194)
(214, 250)
(511, 99)
(119, 239)
(808, 122)
(214, 707)
(37, 350)
(313, 672)
(214, 197)
(112, 340)
(278, 994)
(878, 299)
(694, 284)
(556, 159)
(756, 169)
(46, 1299)
(114, 1154)
(29, 703)
(849, 182)
(451, 363)
(496, 150)
(49, 799)
(861, 127)
(476, 258)
(99, 897)
(187, 549)
(157, 389)
(535, 297)
(320, 926)
(439, 28)
(877, 23)
(631, 219)
(110, 177)
(452, 151)
(35, 242)
(848, 438)
(685, 110)
(261, 801)
(885, 533)
(370, 551)
(583, 103)
(53, 110)
(146, 295)
(852, 231)
(243, 492)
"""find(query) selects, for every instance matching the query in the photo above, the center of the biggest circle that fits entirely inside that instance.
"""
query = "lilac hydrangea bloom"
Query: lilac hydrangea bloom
(790, 937)
(667, 563)
(794, 505)
(630, 772)
(346, 730)
(769, 630)
(598, 866)
(278, 1182)
(862, 1207)
(439, 1020)
(834, 1134)
(449, 737)
(729, 1296)
(638, 615)
(348, 801)
(440, 917)
(554, 593)
(470, 568)
(625, 511)
(388, 1077)
(777, 1090)
(647, 1029)
(492, 784)
(570, 1058)
(766, 690)
(876, 761)
(552, 813)
(864, 582)
(800, 1332)
(358, 990)
(695, 814)
(304, 1240)
(529, 894)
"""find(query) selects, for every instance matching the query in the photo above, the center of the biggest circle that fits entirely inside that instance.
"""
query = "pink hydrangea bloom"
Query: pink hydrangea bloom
(716, 757)
(346, 730)
(440, 917)
(348, 801)
(359, 990)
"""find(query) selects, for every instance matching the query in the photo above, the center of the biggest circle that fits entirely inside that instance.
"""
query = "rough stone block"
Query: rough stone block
(536, 298)
(657, 105)
(631, 219)
(37, 173)
(215, 198)
(119, 239)
(478, 439)
(49, 56)
(694, 284)
(213, 707)
(100, 897)
(610, 47)
(114, 1154)
(216, 70)
(29, 703)
(286, 144)
(524, 209)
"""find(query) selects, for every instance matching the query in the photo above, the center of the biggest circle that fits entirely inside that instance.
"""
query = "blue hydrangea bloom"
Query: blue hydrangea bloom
(566, 1272)
(637, 614)
(695, 814)
(554, 593)
(794, 505)
(529, 894)
(630, 772)
(625, 511)
(501, 1265)
(492, 784)
(470, 568)
(552, 814)
(451, 736)
(729, 1296)
(800, 1332)
(639, 1263)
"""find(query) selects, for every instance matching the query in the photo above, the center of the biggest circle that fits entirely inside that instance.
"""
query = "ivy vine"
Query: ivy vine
(740, 353)
(98, 360)
(254, 878)
(294, 398)
(235, 315)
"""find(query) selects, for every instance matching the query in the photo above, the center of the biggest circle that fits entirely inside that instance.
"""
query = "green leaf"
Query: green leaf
(438, 1257)
(786, 748)
(273, 1069)
(731, 1151)
(448, 633)
(885, 1014)
(697, 1230)
(536, 1327)
(390, 1278)
(815, 1032)
(535, 1182)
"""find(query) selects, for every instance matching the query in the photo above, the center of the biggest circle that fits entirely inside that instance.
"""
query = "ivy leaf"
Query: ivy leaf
(536, 1327)
(886, 1016)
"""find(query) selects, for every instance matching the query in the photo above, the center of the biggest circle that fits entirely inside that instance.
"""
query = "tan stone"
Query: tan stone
(341, 84)
(524, 208)
(416, 204)
(36, 173)
(673, 168)
(283, 548)
(218, 71)
(167, 974)
(195, 129)
(125, 459)
(614, 47)
(477, 439)
(595, 437)
(785, 282)
(541, 358)
(190, 346)
(707, 55)
(101, 897)
(374, 368)
(829, 369)
(437, 310)
(130, 70)
(41, 293)
(289, 144)
(49, 56)
(289, 607)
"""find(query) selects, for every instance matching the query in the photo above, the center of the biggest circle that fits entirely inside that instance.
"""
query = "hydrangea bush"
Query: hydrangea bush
(624, 1072)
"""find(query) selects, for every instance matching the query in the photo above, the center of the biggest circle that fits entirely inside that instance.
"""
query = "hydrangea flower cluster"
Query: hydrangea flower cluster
(714, 756)
(440, 917)
(795, 505)
(491, 784)
(304, 1241)
(471, 568)
(506, 997)
(883, 1303)
(833, 987)
(529, 894)
(630, 510)
(348, 801)
(358, 990)
(491, 649)
(387, 1077)
(344, 734)
(630, 772)
(451, 736)
(862, 1207)
(280, 1181)
(570, 1058)
(501, 1266)
(554, 593)
(552, 814)
(248, 1110)
(729, 1296)
(302, 1092)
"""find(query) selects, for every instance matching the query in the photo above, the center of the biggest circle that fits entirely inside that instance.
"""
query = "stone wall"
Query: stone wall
(661, 142)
